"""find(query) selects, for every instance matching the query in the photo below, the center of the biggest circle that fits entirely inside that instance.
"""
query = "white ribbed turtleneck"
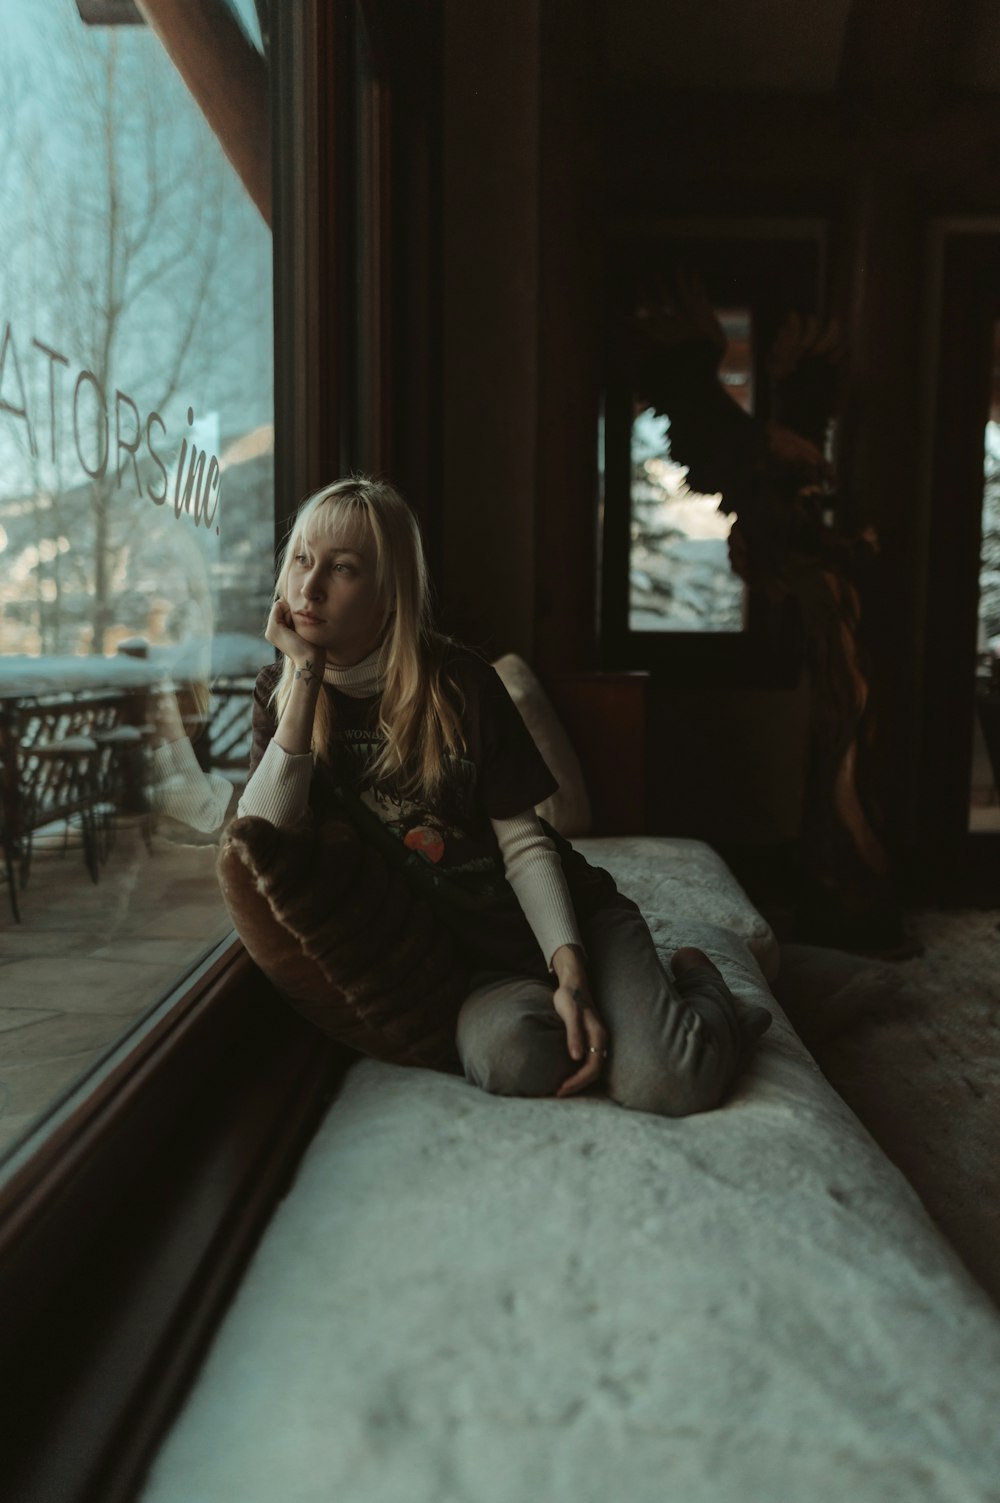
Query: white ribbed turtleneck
(360, 680)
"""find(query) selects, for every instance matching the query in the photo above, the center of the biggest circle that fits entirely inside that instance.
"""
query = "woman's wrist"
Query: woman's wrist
(295, 727)
(308, 670)
(569, 964)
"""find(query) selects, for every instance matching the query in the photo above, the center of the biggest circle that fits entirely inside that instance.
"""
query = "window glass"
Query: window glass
(136, 522)
(984, 811)
(680, 577)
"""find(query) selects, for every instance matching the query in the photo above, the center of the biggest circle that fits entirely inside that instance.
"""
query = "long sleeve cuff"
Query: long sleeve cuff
(278, 789)
(181, 790)
(533, 869)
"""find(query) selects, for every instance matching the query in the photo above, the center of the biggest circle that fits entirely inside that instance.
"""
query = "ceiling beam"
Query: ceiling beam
(705, 138)
(227, 78)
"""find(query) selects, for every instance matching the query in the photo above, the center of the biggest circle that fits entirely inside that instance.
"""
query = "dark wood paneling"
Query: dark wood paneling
(898, 56)
(605, 717)
(571, 231)
(490, 325)
(417, 292)
(761, 153)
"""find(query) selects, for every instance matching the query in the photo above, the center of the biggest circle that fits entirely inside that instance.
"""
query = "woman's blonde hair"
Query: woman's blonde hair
(421, 724)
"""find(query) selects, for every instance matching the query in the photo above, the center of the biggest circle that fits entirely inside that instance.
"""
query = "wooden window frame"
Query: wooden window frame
(124, 1233)
(964, 301)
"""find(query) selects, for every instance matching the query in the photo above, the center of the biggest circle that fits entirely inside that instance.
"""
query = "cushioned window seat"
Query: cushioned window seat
(472, 1299)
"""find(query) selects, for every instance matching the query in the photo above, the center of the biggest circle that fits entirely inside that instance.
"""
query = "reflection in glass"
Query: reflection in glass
(984, 810)
(136, 520)
(679, 573)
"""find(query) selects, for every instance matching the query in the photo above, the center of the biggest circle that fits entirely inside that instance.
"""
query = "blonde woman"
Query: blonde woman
(419, 736)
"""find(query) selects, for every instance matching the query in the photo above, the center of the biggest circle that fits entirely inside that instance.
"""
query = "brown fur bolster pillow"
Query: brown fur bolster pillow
(342, 936)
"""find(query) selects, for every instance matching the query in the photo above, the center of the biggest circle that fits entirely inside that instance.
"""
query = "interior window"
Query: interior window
(679, 572)
(136, 529)
(696, 311)
(984, 809)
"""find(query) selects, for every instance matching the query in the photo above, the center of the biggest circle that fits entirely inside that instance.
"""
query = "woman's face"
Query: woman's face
(332, 592)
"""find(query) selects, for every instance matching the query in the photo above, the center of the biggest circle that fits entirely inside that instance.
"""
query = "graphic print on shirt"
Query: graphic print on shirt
(436, 834)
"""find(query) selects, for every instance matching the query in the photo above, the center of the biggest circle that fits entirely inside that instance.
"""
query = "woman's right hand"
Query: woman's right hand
(280, 632)
(586, 1035)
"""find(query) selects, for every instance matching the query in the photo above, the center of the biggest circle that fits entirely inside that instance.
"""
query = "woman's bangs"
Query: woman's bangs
(338, 522)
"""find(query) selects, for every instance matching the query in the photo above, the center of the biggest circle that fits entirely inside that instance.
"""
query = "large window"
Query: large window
(136, 525)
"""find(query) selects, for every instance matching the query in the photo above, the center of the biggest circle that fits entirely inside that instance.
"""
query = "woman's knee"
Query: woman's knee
(693, 1078)
(512, 1053)
(673, 1095)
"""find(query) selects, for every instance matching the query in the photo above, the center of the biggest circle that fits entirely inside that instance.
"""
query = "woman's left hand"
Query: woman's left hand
(586, 1035)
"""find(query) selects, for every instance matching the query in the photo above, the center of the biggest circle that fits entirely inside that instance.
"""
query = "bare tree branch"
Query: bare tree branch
(135, 253)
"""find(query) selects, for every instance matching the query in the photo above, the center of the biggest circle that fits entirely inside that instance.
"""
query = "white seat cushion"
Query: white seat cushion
(475, 1299)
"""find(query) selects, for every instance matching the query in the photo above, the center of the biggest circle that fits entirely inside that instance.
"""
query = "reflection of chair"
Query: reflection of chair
(10, 871)
(69, 757)
(230, 731)
(123, 780)
(61, 780)
(8, 802)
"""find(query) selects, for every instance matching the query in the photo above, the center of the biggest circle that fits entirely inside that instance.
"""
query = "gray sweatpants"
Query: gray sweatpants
(675, 1046)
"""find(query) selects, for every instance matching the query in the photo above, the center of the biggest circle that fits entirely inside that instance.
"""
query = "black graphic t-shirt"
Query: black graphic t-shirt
(446, 845)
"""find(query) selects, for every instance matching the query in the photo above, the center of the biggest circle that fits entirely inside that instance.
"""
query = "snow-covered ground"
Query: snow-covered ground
(989, 557)
(226, 655)
(680, 577)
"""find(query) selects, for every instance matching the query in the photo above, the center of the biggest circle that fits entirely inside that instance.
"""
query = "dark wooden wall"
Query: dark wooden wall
(539, 152)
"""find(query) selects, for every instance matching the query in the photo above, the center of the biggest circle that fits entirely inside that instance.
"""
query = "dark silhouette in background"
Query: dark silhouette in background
(785, 543)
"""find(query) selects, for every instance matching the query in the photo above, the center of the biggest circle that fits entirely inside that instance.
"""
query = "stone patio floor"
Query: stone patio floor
(89, 959)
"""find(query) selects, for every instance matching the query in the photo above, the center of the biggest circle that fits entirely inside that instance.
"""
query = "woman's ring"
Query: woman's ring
(602, 1052)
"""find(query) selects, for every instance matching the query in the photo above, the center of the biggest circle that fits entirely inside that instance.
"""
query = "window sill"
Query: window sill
(125, 1226)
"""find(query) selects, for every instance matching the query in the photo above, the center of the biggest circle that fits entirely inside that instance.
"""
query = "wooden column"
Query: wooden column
(894, 80)
(490, 295)
(571, 320)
